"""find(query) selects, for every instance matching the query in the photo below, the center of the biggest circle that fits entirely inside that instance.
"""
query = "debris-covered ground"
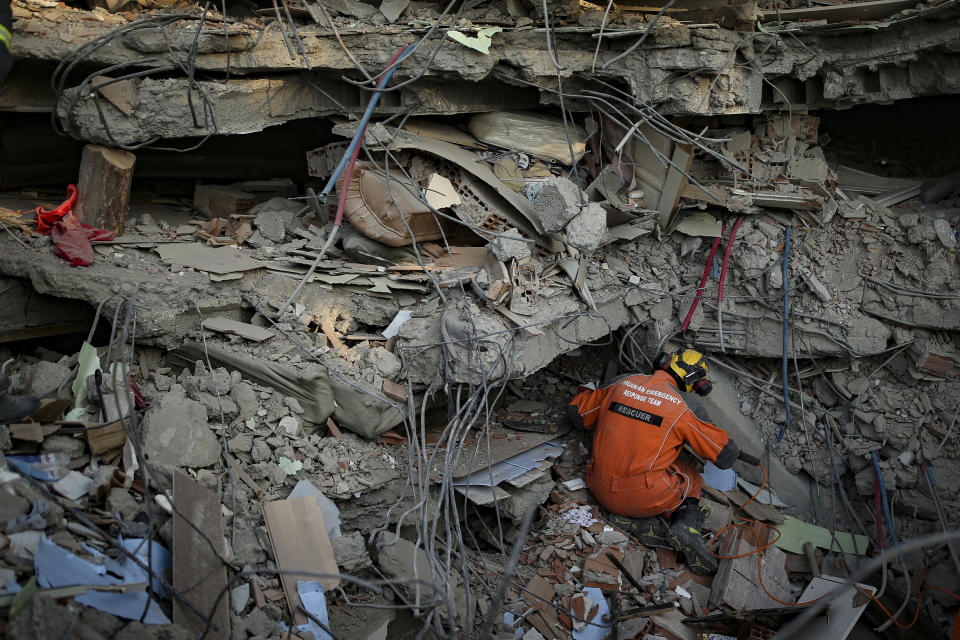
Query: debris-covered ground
(302, 288)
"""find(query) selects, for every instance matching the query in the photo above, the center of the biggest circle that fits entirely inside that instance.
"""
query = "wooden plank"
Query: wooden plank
(28, 431)
(245, 477)
(737, 583)
(394, 390)
(299, 539)
(754, 509)
(198, 573)
(104, 439)
(334, 429)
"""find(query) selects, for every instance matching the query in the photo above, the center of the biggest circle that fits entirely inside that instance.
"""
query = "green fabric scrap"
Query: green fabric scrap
(481, 42)
(794, 532)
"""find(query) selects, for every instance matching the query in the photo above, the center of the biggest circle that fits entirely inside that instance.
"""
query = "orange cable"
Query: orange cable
(746, 522)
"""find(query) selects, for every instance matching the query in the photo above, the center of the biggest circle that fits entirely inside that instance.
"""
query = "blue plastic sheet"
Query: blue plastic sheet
(311, 595)
(719, 479)
(57, 567)
(596, 629)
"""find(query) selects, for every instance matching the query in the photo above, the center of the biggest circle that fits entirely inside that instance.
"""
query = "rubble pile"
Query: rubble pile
(329, 406)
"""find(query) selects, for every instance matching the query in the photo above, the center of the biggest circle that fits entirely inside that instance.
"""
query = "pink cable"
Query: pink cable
(703, 283)
(726, 258)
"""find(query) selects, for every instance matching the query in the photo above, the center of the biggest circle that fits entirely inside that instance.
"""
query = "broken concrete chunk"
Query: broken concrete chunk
(385, 362)
(46, 377)
(945, 233)
(68, 445)
(289, 425)
(242, 329)
(175, 433)
(403, 560)
(350, 552)
(587, 229)
(120, 501)
(272, 223)
(239, 596)
(506, 248)
(817, 287)
(391, 9)
(557, 203)
(516, 505)
(352, 8)
(246, 399)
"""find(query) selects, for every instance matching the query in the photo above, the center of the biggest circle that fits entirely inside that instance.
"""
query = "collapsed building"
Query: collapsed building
(344, 261)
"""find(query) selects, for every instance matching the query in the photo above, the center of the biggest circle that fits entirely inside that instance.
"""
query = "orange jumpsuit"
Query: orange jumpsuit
(641, 424)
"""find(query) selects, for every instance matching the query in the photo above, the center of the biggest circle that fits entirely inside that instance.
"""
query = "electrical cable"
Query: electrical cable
(881, 542)
(786, 330)
(349, 158)
(888, 516)
(723, 277)
(815, 605)
(703, 283)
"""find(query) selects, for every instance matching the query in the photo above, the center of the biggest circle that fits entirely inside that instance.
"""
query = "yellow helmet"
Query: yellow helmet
(689, 369)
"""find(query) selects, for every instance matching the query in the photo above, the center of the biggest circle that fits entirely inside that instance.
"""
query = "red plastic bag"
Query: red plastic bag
(71, 238)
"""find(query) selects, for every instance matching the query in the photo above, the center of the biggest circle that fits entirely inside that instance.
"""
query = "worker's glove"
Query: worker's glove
(749, 459)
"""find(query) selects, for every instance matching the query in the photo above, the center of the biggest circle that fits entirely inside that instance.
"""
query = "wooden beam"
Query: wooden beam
(104, 439)
(104, 187)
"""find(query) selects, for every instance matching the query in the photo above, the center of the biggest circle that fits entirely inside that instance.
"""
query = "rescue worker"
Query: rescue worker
(641, 423)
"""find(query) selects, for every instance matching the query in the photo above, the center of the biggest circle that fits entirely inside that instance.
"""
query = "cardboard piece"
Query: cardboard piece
(842, 614)
(440, 192)
(331, 514)
(300, 542)
(73, 486)
(218, 260)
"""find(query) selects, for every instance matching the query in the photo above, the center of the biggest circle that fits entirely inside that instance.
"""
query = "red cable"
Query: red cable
(703, 282)
(726, 258)
(348, 172)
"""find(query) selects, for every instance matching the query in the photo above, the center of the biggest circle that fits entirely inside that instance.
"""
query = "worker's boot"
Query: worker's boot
(687, 539)
(15, 408)
(652, 532)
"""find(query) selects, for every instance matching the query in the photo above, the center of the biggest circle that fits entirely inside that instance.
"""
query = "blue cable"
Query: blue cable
(883, 497)
(786, 330)
(364, 120)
